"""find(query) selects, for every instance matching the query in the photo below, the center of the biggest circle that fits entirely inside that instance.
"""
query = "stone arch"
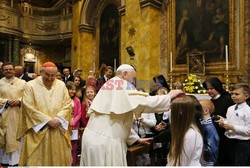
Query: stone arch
(91, 11)
(90, 16)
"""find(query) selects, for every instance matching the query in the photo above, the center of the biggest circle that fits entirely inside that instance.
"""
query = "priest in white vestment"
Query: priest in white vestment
(11, 92)
(111, 118)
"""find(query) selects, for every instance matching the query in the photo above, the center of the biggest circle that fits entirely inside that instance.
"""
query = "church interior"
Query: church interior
(184, 41)
(84, 34)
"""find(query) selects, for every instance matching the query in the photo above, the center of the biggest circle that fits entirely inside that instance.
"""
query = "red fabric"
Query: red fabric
(74, 152)
(181, 95)
(84, 118)
(48, 64)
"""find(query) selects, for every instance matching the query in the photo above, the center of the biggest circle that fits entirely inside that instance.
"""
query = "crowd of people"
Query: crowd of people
(59, 119)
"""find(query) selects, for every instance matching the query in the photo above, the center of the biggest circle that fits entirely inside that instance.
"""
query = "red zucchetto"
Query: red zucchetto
(48, 64)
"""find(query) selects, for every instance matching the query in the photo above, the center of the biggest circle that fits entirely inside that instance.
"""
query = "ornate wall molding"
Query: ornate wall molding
(122, 10)
(3, 17)
(47, 27)
(92, 9)
(36, 23)
(154, 3)
(86, 28)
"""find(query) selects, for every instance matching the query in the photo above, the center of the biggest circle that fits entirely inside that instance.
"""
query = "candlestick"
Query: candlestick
(226, 51)
(94, 66)
(114, 64)
(171, 58)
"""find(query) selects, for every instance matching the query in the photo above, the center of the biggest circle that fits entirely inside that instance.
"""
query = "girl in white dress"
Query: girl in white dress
(186, 140)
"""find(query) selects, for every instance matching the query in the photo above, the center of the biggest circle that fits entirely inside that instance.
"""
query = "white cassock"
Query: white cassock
(111, 118)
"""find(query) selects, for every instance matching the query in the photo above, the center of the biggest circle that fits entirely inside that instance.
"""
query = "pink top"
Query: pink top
(77, 113)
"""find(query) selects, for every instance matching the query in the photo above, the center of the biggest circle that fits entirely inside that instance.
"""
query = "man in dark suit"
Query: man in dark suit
(1, 73)
(67, 75)
(19, 73)
(109, 72)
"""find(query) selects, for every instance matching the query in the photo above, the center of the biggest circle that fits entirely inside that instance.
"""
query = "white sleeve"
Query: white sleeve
(243, 129)
(192, 149)
(38, 127)
(156, 104)
(132, 138)
(65, 123)
(149, 119)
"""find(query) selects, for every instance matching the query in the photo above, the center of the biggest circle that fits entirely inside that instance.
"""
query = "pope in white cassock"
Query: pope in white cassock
(111, 117)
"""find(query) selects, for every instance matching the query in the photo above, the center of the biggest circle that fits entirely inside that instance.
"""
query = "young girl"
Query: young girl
(186, 140)
(88, 98)
(76, 116)
(79, 83)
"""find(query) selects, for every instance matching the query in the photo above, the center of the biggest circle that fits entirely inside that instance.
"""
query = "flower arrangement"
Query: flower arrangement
(193, 85)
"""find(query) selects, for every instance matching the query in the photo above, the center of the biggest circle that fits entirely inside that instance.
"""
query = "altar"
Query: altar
(200, 96)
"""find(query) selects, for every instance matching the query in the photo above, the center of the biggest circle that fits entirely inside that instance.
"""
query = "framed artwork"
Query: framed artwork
(206, 26)
(196, 62)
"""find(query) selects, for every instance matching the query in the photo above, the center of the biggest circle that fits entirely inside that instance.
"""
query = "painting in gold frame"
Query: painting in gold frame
(235, 39)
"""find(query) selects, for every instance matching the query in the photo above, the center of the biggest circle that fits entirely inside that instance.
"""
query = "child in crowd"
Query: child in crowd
(186, 140)
(210, 135)
(179, 86)
(237, 125)
(88, 98)
(76, 116)
(162, 135)
(79, 86)
(142, 127)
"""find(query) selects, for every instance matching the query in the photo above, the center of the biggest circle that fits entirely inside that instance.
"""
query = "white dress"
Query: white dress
(192, 149)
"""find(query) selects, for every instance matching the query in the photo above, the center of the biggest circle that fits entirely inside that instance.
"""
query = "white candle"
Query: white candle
(114, 64)
(171, 58)
(94, 66)
(226, 51)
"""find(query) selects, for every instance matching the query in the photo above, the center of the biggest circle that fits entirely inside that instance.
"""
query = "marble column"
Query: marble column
(16, 52)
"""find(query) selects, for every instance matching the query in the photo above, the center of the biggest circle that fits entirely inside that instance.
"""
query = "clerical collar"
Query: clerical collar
(216, 97)
(21, 76)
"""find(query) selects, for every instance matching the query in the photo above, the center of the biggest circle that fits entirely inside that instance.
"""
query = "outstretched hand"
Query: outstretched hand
(145, 141)
(174, 93)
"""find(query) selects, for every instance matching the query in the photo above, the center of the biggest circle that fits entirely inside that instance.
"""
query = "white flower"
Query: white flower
(199, 91)
(204, 91)
(186, 80)
(184, 84)
(196, 87)
(199, 80)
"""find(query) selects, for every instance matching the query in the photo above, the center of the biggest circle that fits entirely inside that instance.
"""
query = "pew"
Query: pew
(136, 150)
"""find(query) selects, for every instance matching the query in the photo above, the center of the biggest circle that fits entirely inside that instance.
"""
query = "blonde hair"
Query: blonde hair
(178, 85)
(85, 96)
(205, 103)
